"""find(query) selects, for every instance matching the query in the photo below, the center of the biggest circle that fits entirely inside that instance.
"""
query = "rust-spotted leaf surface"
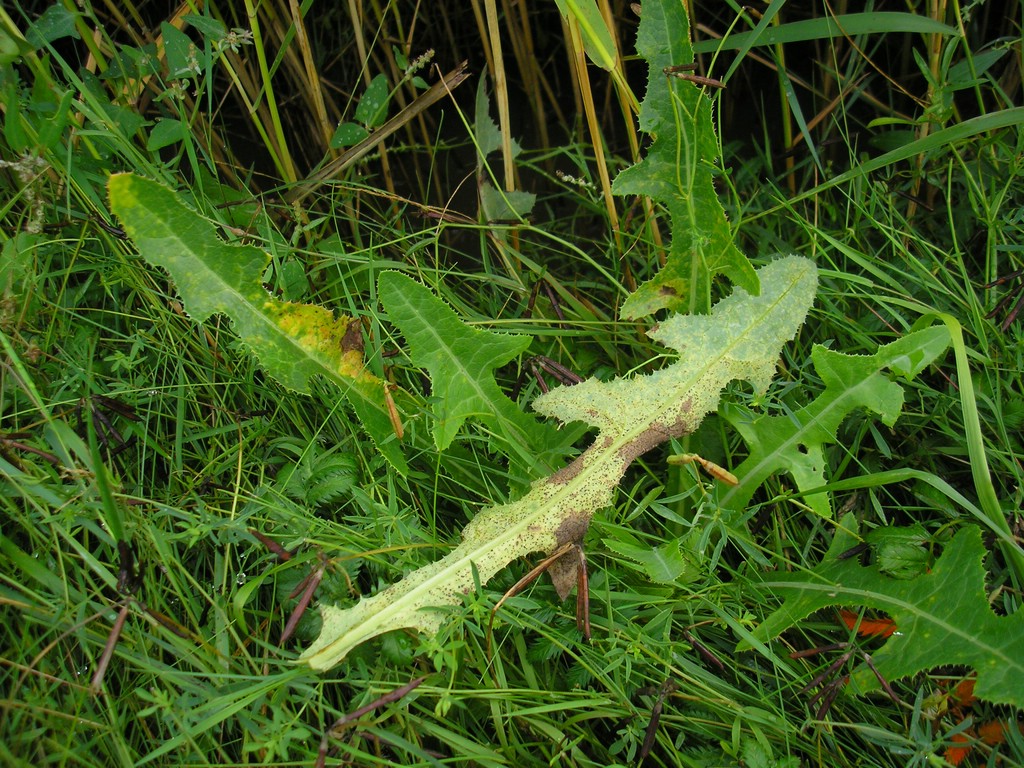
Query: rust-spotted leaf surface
(740, 339)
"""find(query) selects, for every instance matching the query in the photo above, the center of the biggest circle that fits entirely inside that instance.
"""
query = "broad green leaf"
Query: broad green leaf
(373, 106)
(794, 443)
(292, 341)
(663, 564)
(210, 28)
(182, 54)
(902, 552)
(54, 121)
(10, 47)
(56, 22)
(461, 361)
(166, 131)
(942, 617)
(960, 74)
(496, 204)
(485, 130)
(741, 338)
(14, 129)
(130, 62)
(679, 172)
(347, 135)
(597, 40)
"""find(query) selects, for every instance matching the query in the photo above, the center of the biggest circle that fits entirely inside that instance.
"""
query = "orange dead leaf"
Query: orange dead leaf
(963, 693)
(994, 732)
(955, 755)
(867, 627)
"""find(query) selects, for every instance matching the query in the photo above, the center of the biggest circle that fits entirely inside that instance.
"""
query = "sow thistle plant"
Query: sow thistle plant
(741, 337)
(239, 446)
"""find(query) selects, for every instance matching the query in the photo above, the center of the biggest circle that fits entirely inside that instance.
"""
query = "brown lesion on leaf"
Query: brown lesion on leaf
(353, 338)
(351, 363)
(568, 472)
(656, 434)
(668, 290)
(572, 528)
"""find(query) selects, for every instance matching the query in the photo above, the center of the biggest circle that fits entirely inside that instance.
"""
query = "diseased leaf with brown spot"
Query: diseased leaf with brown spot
(291, 341)
(326, 339)
(740, 339)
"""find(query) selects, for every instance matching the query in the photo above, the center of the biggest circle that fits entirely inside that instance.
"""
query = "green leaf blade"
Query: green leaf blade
(843, 25)
(460, 359)
(794, 443)
(372, 110)
(597, 39)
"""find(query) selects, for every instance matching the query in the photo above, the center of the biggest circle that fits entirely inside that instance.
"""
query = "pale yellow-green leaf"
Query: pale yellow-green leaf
(740, 339)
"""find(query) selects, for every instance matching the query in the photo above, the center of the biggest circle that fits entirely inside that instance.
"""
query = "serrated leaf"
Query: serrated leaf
(741, 338)
(292, 341)
(901, 551)
(485, 130)
(679, 172)
(496, 205)
(794, 443)
(505, 206)
(318, 478)
(461, 362)
(716, 349)
(942, 617)
(663, 564)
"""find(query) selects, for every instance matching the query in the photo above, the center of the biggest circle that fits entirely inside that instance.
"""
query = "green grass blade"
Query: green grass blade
(850, 24)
